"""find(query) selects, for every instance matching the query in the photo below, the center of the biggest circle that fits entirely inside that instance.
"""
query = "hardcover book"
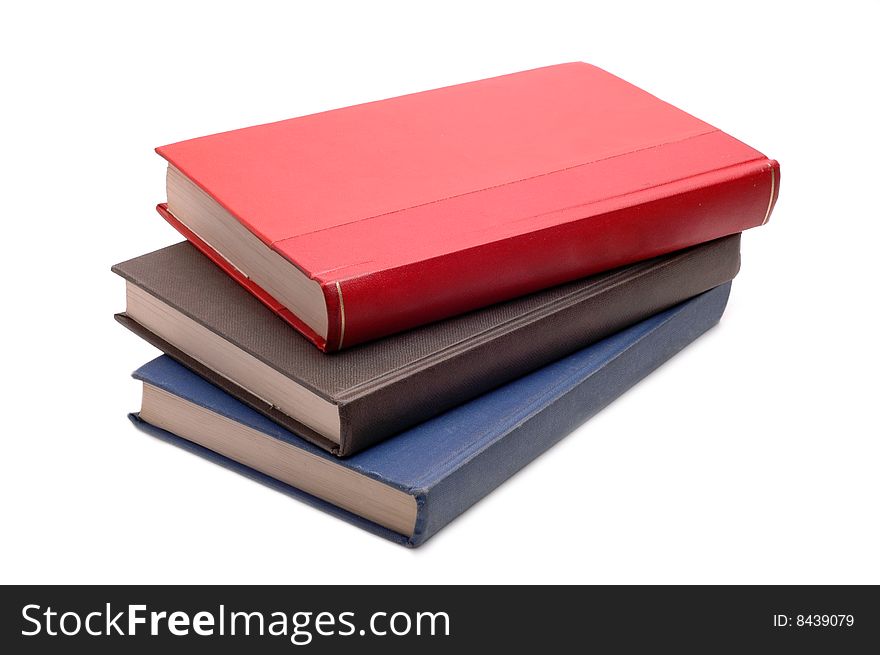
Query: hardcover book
(365, 221)
(191, 310)
(410, 486)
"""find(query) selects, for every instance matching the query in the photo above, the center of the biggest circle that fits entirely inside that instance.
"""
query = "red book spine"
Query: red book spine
(616, 232)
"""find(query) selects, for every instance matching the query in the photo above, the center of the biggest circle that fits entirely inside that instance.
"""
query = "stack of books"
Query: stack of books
(387, 310)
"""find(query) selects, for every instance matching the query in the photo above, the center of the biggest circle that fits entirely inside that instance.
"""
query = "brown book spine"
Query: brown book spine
(512, 351)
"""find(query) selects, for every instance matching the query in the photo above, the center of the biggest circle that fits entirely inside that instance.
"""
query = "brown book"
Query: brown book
(189, 308)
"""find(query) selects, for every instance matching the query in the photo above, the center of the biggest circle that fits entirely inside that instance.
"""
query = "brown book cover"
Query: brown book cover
(386, 386)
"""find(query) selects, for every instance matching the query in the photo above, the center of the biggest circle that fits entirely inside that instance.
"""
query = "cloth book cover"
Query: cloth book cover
(412, 209)
(450, 462)
(388, 385)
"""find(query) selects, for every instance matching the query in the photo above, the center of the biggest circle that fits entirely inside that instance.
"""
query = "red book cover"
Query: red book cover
(420, 207)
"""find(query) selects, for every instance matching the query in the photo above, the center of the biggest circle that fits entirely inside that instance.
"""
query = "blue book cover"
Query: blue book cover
(412, 485)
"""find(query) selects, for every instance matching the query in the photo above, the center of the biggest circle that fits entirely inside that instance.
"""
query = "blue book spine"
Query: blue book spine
(454, 460)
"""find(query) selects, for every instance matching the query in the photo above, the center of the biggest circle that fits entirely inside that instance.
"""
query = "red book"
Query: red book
(360, 222)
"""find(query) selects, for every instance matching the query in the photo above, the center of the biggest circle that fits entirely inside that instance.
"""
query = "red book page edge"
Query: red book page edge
(331, 295)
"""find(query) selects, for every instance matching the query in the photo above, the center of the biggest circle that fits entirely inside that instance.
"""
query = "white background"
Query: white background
(751, 457)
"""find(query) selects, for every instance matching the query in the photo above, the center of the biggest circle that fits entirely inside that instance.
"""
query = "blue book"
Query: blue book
(410, 486)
